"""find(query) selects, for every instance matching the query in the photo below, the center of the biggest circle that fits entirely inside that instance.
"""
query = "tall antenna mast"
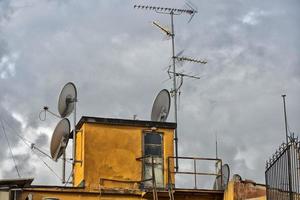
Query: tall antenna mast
(174, 11)
(288, 149)
(217, 153)
(217, 146)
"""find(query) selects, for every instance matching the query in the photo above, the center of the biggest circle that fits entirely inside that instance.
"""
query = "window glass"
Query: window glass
(151, 138)
(153, 147)
(153, 150)
(152, 144)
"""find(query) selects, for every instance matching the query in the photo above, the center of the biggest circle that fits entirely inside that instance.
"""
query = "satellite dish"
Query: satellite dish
(60, 138)
(236, 177)
(222, 180)
(67, 99)
(161, 106)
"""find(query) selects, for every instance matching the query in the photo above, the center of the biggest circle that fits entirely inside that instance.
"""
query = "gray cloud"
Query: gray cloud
(25, 167)
(5, 10)
(42, 140)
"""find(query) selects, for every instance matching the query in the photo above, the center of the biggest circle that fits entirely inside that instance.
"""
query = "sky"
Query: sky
(118, 61)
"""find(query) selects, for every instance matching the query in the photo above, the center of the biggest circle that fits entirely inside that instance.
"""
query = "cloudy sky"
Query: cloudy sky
(118, 61)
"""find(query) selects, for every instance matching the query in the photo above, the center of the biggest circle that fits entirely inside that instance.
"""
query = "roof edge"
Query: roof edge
(125, 122)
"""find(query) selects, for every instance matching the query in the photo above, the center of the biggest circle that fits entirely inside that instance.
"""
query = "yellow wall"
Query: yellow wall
(110, 152)
(79, 166)
(75, 195)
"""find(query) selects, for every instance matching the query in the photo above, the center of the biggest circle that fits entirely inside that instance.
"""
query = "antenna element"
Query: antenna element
(175, 90)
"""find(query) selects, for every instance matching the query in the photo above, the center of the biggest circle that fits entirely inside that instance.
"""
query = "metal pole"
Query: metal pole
(267, 184)
(195, 174)
(174, 88)
(153, 180)
(288, 150)
(216, 165)
(74, 141)
(64, 167)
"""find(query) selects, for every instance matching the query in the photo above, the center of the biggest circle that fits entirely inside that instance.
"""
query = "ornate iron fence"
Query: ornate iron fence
(283, 172)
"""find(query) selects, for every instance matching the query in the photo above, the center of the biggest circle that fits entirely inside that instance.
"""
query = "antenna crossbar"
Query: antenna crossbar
(165, 10)
(185, 75)
(190, 59)
(165, 30)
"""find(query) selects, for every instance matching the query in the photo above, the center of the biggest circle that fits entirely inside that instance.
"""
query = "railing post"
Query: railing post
(221, 176)
(153, 180)
(195, 171)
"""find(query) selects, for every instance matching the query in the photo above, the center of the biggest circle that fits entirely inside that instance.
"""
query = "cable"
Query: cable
(23, 139)
(45, 110)
(69, 178)
(12, 155)
(47, 165)
(32, 146)
(44, 116)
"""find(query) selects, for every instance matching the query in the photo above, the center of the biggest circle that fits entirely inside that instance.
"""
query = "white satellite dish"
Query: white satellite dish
(161, 106)
(222, 180)
(67, 99)
(60, 138)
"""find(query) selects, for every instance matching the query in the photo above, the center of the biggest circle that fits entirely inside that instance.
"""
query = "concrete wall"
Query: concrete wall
(4, 195)
(244, 190)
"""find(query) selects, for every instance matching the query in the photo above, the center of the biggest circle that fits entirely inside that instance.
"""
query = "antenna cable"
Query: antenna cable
(12, 155)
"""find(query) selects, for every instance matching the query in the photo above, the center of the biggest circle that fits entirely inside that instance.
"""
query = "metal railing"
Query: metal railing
(283, 172)
(171, 173)
(195, 173)
(154, 189)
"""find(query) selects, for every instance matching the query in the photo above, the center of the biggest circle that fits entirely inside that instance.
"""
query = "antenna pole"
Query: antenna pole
(174, 88)
(285, 119)
(216, 146)
(64, 167)
(216, 153)
(288, 149)
(74, 141)
(174, 91)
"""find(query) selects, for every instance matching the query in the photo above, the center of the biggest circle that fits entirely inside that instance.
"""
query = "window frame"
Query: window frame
(144, 132)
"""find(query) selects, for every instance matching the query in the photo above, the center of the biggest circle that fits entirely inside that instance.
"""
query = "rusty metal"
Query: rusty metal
(154, 189)
(170, 184)
(283, 171)
(153, 180)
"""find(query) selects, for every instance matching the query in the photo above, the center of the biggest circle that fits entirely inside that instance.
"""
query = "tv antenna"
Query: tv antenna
(171, 33)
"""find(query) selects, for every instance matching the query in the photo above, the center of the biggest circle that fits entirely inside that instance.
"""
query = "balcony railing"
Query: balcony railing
(195, 173)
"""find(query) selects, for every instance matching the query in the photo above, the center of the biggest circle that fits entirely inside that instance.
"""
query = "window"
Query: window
(152, 144)
(153, 147)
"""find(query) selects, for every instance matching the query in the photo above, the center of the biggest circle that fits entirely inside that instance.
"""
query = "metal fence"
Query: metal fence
(283, 172)
(195, 172)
